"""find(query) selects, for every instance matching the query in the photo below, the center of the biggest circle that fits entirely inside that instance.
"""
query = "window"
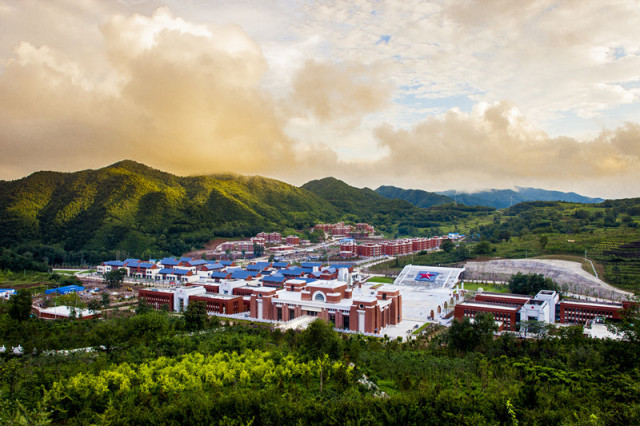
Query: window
(319, 297)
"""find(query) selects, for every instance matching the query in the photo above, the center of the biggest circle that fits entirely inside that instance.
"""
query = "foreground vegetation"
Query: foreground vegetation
(159, 368)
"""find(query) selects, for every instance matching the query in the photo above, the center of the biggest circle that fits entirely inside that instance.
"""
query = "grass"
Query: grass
(494, 288)
(384, 280)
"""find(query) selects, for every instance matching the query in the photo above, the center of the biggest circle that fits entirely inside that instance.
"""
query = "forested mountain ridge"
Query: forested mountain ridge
(136, 208)
(397, 217)
(417, 197)
(503, 198)
(496, 198)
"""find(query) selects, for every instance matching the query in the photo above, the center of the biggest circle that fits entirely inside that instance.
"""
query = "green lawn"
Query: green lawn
(385, 280)
(494, 288)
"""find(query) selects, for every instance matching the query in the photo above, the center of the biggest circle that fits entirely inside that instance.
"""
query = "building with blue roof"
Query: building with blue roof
(197, 262)
(244, 275)
(292, 272)
(258, 266)
(280, 265)
(114, 263)
(226, 262)
(169, 261)
(131, 260)
(220, 275)
(274, 281)
(65, 290)
(311, 264)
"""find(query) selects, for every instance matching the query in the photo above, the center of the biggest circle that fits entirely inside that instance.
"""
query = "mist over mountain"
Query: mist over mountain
(496, 198)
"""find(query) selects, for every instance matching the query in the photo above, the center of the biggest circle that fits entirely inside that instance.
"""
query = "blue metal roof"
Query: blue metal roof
(281, 264)
(311, 264)
(166, 271)
(114, 263)
(242, 275)
(178, 271)
(339, 265)
(258, 266)
(329, 271)
(131, 260)
(198, 262)
(219, 274)
(226, 262)
(292, 271)
(274, 279)
(169, 261)
(65, 289)
(143, 265)
(186, 259)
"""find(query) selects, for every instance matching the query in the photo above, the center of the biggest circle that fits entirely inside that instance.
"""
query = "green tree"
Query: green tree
(105, 300)
(114, 278)
(483, 247)
(258, 250)
(447, 245)
(20, 305)
(530, 283)
(142, 307)
(543, 241)
(319, 339)
(195, 316)
(94, 305)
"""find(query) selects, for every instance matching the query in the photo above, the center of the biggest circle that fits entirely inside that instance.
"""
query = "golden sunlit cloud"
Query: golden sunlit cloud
(190, 98)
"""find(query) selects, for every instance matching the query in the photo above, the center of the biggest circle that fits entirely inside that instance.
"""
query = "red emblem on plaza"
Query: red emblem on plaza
(426, 276)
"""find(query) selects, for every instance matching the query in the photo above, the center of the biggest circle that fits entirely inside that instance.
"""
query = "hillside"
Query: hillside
(503, 198)
(140, 210)
(392, 216)
(416, 197)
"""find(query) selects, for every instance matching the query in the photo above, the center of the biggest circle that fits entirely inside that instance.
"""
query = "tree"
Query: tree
(530, 283)
(258, 250)
(483, 247)
(463, 336)
(447, 245)
(543, 241)
(195, 315)
(94, 305)
(105, 300)
(319, 339)
(20, 305)
(114, 278)
(142, 307)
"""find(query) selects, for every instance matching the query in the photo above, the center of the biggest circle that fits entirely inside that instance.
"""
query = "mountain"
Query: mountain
(416, 197)
(363, 203)
(134, 208)
(502, 198)
(392, 216)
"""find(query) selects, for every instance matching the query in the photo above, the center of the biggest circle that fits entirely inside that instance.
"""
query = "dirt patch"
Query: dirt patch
(569, 275)
(208, 249)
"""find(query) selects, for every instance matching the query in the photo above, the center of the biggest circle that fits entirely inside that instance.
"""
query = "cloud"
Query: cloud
(342, 91)
(177, 95)
(495, 144)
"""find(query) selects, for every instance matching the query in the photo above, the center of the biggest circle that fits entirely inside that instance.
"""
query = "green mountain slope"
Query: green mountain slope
(132, 207)
(416, 197)
(503, 198)
(397, 217)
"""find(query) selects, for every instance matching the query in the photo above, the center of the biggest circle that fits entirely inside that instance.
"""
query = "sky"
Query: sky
(431, 95)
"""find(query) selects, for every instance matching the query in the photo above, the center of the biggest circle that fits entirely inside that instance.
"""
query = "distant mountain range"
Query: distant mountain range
(496, 198)
(145, 212)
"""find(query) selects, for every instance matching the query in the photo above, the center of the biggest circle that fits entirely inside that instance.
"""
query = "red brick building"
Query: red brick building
(504, 313)
(157, 298)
